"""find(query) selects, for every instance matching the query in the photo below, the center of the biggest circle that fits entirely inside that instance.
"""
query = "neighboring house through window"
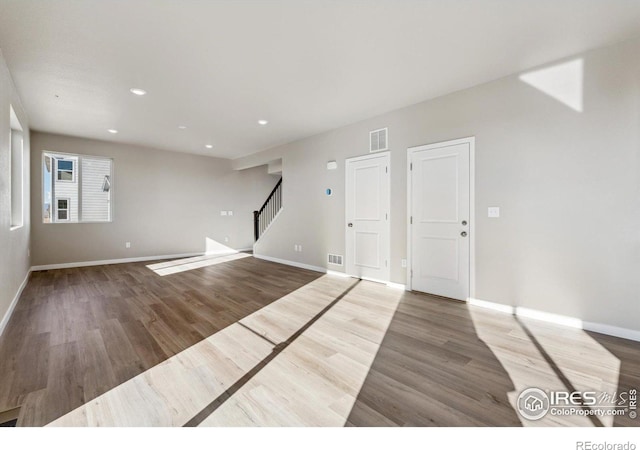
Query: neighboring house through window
(65, 170)
(76, 188)
(62, 210)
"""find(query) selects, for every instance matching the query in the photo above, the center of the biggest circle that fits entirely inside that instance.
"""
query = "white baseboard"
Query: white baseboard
(112, 261)
(491, 305)
(231, 251)
(611, 330)
(337, 274)
(567, 321)
(557, 319)
(400, 286)
(388, 283)
(286, 262)
(14, 302)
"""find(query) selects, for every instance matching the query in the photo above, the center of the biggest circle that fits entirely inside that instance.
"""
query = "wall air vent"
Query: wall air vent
(334, 259)
(378, 140)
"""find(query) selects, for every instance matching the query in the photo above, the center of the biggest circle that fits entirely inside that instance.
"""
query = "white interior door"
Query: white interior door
(367, 216)
(439, 203)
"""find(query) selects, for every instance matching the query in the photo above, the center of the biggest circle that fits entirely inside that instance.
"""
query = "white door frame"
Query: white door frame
(388, 207)
(472, 209)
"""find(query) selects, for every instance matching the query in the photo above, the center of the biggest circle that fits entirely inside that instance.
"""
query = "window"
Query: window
(76, 188)
(17, 172)
(62, 209)
(65, 170)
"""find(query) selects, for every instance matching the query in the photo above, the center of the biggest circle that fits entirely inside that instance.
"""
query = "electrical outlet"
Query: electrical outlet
(493, 212)
(404, 263)
(28, 253)
(127, 245)
(226, 238)
(299, 247)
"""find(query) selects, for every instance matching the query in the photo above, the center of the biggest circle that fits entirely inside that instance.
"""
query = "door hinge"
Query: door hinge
(411, 166)
(411, 220)
(386, 169)
(386, 216)
(411, 273)
(386, 263)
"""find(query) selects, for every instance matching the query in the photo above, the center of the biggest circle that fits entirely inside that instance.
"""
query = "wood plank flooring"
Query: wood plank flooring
(252, 343)
(77, 333)
(458, 365)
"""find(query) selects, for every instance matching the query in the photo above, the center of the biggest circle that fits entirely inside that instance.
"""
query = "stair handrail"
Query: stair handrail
(270, 195)
(256, 214)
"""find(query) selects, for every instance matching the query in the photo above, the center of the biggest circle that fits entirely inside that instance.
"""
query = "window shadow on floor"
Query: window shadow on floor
(432, 369)
(628, 353)
(277, 350)
(77, 333)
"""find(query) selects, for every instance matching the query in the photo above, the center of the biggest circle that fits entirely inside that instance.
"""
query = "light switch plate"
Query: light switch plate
(223, 213)
(493, 212)
(231, 213)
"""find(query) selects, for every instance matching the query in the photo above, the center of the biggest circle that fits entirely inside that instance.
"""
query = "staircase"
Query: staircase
(9, 417)
(270, 209)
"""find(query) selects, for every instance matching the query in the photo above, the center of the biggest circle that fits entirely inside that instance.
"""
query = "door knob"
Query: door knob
(463, 234)
(464, 222)
(350, 225)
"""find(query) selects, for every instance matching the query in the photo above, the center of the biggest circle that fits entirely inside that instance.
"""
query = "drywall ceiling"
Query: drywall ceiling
(217, 67)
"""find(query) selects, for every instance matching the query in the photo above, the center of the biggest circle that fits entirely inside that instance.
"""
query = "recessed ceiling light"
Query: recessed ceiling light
(112, 131)
(263, 122)
(182, 127)
(138, 91)
(209, 146)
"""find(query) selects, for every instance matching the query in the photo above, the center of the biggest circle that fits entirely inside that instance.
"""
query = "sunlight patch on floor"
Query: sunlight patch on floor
(197, 262)
(314, 381)
(549, 357)
(317, 379)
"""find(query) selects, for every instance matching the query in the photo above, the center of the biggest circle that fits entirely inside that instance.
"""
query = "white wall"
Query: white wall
(163, 203)
(567, 182)
(14, 244)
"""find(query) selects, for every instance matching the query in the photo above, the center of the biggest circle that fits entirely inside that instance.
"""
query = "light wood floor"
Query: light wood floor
(76, 333)
(328, 351)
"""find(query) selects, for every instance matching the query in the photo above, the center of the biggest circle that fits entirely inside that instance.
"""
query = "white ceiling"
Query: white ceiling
(306, 66)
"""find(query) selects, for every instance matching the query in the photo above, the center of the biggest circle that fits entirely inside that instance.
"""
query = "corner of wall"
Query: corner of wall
(14, 242)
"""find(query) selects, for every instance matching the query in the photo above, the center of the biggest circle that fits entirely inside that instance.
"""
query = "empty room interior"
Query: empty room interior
(319, 214)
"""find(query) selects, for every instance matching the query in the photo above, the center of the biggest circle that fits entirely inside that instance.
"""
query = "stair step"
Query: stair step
(9, 417)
